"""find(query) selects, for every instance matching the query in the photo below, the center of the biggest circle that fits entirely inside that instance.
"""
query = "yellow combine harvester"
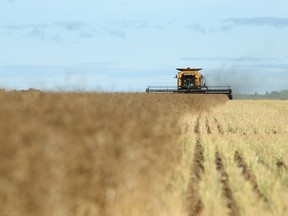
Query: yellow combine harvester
(190, 80)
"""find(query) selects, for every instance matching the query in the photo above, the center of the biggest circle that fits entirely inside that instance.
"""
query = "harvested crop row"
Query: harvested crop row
(227, 193)
(276, 163)
(194, 202)
(281, 165)
(208, 126)
(197, 125)
(264, 162)
(219, 128)
(248, 128)
(248, 175)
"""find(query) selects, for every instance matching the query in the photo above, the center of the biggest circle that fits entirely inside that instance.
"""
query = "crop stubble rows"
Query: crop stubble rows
(195, 203)
(248, 175)
(227, 192)
(213, 129)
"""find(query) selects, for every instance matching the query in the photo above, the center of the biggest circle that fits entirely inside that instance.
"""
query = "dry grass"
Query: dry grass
(92, 154)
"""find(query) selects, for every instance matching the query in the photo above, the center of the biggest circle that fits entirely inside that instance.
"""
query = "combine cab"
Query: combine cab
(190, 80)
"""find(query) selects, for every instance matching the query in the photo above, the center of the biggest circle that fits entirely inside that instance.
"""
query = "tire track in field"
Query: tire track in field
(226, 189)
(219, 127)
(194, 202)
(249, 175)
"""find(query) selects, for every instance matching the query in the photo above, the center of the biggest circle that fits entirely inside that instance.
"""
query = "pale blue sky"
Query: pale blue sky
(126, 45)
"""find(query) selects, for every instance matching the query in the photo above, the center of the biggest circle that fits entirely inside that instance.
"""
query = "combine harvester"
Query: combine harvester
(191, 81)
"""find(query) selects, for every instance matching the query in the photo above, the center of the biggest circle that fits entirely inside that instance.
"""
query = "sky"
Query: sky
(126, 45)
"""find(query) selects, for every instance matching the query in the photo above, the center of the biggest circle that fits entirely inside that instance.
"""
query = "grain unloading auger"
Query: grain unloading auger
(190, 80)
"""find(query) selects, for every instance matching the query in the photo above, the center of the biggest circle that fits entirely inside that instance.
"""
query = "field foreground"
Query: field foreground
(141, 154)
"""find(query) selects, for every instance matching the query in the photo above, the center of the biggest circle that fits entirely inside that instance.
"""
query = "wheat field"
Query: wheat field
(240, 156)
(141, 154)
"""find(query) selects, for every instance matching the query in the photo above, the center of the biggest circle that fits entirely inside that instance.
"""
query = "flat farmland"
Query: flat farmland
(240, 159)
(141, 154)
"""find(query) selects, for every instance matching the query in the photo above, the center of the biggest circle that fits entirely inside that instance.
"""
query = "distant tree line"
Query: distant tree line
(277, 95)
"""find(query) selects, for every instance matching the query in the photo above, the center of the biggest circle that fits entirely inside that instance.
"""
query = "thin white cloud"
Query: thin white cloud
(256, 21)
(136, 24)
(87, 34)
(116, 33)
(24, 27)
(44, 31)
(229, 59)
(119, 29)
(50, 31)
(197, 28)
(71, 25)
(230, 23)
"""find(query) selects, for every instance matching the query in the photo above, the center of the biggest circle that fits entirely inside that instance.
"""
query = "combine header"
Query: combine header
(190, 80)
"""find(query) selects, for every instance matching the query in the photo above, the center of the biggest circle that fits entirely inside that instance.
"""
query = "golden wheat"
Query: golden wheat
(93, 154)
